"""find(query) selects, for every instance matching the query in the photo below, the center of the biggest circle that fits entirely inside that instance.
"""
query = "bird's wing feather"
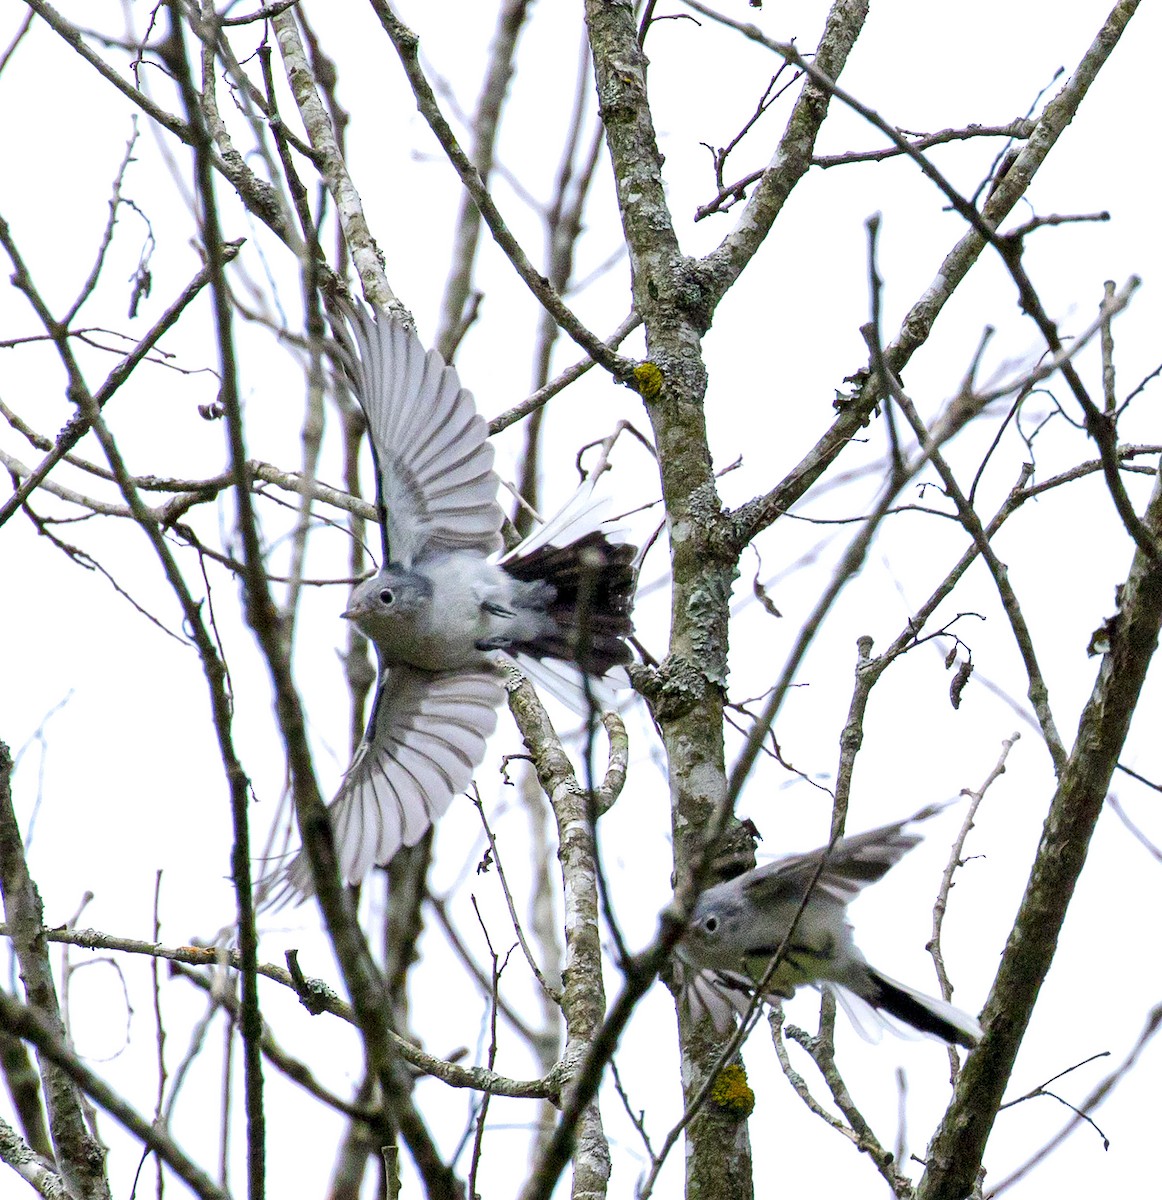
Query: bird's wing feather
(566, 681)
(584, 512)
(848, 866)
(435, 485)
(720, 995)
(425, 737)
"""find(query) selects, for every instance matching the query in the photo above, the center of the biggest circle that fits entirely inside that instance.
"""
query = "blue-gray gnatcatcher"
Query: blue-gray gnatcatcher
(442, 602)
(737, 926)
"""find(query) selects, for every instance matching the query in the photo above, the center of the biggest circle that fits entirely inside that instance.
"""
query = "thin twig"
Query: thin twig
(553, 993)
(955, 861)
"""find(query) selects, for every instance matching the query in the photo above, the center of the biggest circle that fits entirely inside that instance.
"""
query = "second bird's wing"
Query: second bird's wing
(435, 485)
(720, 995)
(425, 737)
(848, 866)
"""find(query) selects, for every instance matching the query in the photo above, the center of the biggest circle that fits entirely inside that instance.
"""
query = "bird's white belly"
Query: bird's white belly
(457, 621)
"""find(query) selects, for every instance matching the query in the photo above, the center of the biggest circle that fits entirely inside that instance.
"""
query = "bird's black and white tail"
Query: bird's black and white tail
(589, 596)
(583, 576)
(920, 1012)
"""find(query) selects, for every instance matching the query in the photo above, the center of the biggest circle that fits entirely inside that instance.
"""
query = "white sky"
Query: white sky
(127, 781)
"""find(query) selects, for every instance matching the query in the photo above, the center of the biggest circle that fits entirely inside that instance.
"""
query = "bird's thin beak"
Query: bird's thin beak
(348, 614)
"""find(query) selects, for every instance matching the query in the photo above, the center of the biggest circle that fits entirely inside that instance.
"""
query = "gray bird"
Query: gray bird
(444, 601)
(737, 926)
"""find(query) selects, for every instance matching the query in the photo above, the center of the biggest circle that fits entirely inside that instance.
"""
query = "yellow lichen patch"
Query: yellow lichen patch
(731, 1091)
(648, 380)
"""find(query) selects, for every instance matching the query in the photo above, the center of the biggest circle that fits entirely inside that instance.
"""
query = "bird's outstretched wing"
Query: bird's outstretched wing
(425, 737)
(435, 485)
(720, 995)
(848, 866)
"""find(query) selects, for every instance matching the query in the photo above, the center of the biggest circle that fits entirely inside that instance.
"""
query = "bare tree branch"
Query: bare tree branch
(32, 1025)
(79, 1156)
(956, 1150)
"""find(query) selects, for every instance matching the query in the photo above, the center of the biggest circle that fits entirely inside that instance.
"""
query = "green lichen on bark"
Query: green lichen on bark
(703, 607)
(648, 380)
(732, 1092)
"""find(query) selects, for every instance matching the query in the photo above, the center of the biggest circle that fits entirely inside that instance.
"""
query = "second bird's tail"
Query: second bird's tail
(923, 1013)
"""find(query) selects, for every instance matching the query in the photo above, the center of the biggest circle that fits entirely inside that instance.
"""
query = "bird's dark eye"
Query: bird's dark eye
(387, 597)
(710, 924)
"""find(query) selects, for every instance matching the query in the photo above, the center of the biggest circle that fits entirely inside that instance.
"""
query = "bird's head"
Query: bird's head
(389, 600)
(710, 925)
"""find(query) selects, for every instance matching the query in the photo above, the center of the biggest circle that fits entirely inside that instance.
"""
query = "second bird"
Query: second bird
(798, 905)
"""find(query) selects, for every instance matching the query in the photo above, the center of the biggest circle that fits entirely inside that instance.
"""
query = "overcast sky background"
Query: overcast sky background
(126, 779)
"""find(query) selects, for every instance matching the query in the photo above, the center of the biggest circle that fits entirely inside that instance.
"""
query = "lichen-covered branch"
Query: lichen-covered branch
(583, 994)
(821, 1049)
(314, 993)
(35, 1171)
(356, 234)
(80, 1157)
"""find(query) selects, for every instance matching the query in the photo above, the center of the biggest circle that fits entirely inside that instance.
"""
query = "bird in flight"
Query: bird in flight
(444, 602)
(738, 926)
